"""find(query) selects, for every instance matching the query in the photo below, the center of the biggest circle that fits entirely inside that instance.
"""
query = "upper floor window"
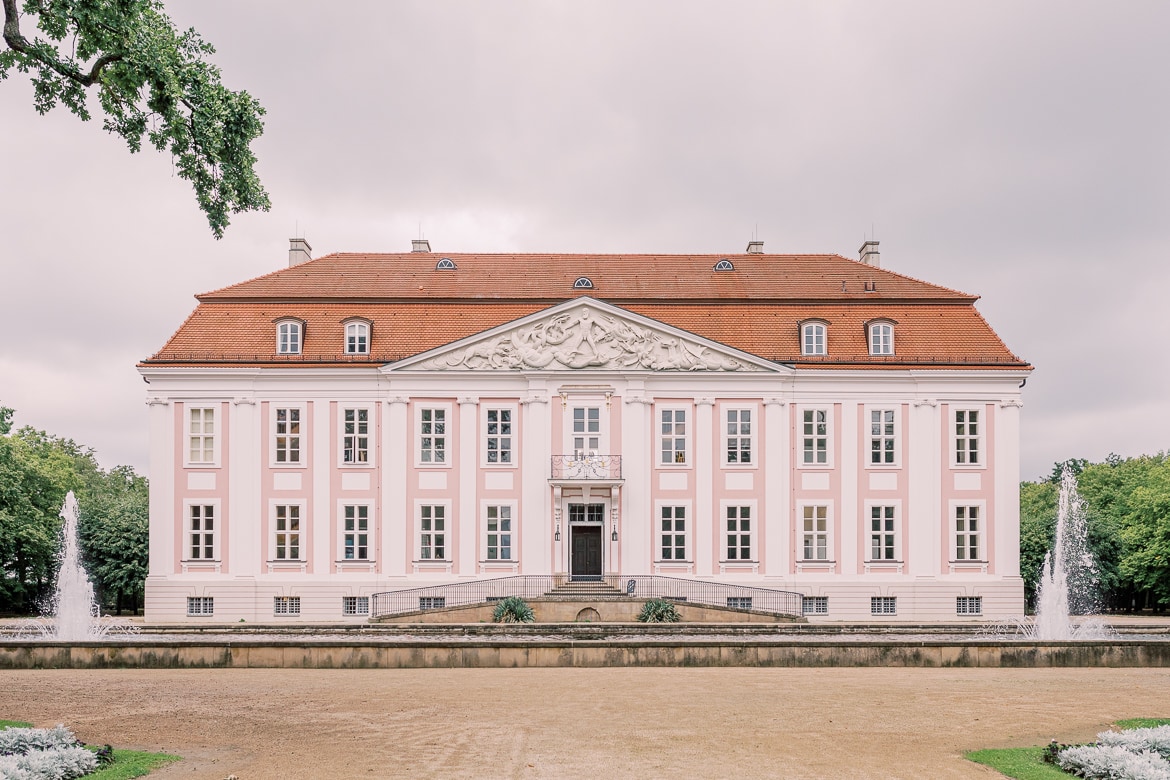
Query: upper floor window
(674, 435)
(287, 436)
(201, 436)
(881, 338)
(739, 436)
(812, 338)
(432, 442)
(357, 338)
(814, 437)
(355, 436)
(882, 437)
(499, 436)
(288, 337)
(586, 430)
(967, 435)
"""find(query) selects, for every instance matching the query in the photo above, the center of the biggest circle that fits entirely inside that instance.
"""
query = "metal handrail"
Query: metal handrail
(532, 586)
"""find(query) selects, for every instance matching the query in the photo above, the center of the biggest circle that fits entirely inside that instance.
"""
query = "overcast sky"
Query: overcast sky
(1016, 150)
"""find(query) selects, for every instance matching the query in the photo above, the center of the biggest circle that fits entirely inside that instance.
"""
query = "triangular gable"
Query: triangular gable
(585, 333)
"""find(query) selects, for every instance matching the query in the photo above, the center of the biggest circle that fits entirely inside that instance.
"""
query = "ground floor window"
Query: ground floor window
(200, 605)
(355, 605)
(674, 533)
(739, 533)
(432, 533)
(815, 605)
(739, 602)
(286, 605)
(499, 533)
(968, 605)
(432, 602)
(883, 605)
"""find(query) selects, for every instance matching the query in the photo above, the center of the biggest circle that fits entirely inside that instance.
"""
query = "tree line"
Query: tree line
(36, 471)
(1127, 507)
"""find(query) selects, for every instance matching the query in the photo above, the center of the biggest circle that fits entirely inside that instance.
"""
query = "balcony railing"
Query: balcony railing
(587, 466)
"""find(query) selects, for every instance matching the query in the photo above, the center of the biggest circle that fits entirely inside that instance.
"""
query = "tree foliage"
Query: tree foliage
(152, 81)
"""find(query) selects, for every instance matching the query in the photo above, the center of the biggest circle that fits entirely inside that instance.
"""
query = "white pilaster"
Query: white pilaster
(468, 542)
(536, 528)
(1007, 489)
(322, 499)
(705, 472)
(637, 544)
(393, 514)
(777, 546)
(847, 509)
(246, 548)
(163, 473)
(924, 516)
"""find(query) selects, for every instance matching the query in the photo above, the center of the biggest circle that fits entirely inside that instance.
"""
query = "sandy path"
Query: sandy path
(582, 723)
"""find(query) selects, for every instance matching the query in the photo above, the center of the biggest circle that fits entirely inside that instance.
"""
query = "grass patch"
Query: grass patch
(127, 763)
(1028, 763)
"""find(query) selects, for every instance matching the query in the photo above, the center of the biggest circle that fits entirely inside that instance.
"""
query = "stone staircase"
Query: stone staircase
(584, 591)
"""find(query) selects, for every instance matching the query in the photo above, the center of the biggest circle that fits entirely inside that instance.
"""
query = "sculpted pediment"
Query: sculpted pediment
(585, 334)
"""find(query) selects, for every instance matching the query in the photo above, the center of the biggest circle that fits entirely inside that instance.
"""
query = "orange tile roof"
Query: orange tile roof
(756, 308)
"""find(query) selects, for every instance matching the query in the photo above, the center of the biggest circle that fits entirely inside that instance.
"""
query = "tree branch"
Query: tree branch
(17, 42)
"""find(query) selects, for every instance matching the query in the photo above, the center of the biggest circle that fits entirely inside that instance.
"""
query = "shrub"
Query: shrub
(659, 611)
(1107, 762)
(513, 609)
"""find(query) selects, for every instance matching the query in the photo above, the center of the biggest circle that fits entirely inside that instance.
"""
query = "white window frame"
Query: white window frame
(890, 511)
(302, 531)
(882, 437)
(493, 433)
(200, 606)
(285, 330)
(446, 437)
(189, 531)
(678, 458)
(500, 509)
(880, 335)
(302, 436)
(585, 435)
(801, 437)
(735, 441)
(448, 531)
(965, 439)
(725, 533)
(344, 436)
(190, 436)
(286, 605)
(968, 605)
(980, 532)
(660, 508)
(357, 337)
(803, 533)
(809, 332)
(343, 532)
(814, 605)
(352, 606)
(883, 605)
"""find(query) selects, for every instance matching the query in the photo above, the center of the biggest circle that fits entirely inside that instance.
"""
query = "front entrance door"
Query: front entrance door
(586, 552)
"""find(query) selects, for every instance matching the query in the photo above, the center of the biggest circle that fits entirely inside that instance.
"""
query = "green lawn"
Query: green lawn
(1028, 763)
(127, 763)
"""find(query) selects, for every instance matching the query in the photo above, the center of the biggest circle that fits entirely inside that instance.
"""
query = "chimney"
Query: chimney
(870, 255)
(755, 248)
(299, 251)
(420, 245)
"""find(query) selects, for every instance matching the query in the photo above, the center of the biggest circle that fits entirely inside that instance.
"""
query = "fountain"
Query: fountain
(74, 607)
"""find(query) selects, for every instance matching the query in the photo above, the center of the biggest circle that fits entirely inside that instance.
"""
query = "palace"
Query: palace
(363, 423)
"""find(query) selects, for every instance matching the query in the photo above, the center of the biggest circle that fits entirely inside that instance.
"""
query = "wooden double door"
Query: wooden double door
(585, 534)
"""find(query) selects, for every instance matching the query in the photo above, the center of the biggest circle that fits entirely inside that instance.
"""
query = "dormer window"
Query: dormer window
(446, 264)
(812, 338)
(357, 338)
(724, 265)
(881, 338)
(289, 336)
(583, 283)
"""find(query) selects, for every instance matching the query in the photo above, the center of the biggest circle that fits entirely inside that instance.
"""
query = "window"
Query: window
(968, 605)
(674, 435)
(815, 437)
(739, 533)
(432, 435)
(355, 437)
(201, 436)
(882, 438)
(739, 436)
(446, 264)
(355, 605)
(967, 533)
(288, 436)
(357, 338)
(200, 605)
(883, 536)
(586, 513)
(586, 430)
(432, 602)
(355, 536)
(812, 338)
(583, 283)
(674, 533)
(967, 437)
(815, 533)
(201, 532)
(883, 605)
(432, 533)
(286, 605)
(814, 605)
(739, 602)
(287, 530)
(499, 436)
(288, 338)
(881, 338)
(724, 265)
(499, 533)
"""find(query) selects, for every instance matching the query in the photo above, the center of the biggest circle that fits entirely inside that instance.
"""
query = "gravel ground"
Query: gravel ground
(581, 723)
